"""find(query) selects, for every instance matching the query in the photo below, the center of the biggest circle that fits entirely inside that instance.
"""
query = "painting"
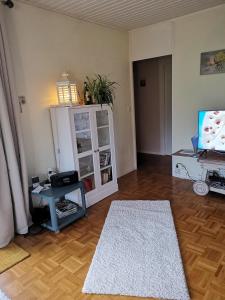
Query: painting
(212, 62)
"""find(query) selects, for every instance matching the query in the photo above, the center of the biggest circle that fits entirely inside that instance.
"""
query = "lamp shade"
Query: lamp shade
(67, 91)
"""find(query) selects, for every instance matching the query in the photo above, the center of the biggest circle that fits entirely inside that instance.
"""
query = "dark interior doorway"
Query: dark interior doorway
(153, 105)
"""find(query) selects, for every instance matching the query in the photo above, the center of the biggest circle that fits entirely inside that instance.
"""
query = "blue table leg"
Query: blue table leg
(54, 220)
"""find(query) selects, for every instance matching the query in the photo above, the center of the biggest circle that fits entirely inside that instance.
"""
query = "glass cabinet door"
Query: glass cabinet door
(83, 131)
(102, 120)
(91, 128)
(86, 167)
(105, 159)
(83, 134)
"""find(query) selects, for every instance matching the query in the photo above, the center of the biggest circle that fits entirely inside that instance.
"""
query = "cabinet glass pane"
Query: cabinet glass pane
(84, 141)
(106, 175)
(103, 136)
(81, 121)
(105, 158)
(86, 165)
(89, 183)
(102, 118)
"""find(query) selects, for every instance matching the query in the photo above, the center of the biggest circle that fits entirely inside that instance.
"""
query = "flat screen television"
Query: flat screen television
(211, 130)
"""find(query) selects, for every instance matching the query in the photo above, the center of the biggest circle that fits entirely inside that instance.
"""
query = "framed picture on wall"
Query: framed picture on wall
(212, 62)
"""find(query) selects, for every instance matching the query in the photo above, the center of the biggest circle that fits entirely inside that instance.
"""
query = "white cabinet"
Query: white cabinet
(84, 141)
(185, 165)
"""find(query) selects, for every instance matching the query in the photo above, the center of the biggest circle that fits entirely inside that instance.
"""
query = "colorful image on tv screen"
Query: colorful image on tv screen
(211, 130)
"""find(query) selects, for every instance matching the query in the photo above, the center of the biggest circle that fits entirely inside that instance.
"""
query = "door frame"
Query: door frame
(133, 114)
(133, 104)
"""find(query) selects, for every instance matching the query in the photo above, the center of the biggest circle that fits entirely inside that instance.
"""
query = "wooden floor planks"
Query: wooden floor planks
(59, 262)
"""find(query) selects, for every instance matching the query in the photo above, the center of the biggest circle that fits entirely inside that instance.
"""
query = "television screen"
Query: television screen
(211, 130)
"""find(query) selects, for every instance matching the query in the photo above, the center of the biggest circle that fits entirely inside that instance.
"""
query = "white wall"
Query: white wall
(43, 45)
(191, 92)
(185, 38)
(151, 41)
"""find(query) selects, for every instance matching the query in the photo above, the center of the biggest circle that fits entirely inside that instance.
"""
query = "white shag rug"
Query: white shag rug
(3, 296)
(138, 253)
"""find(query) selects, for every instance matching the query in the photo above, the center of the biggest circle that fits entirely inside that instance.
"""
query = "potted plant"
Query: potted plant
(99, 90)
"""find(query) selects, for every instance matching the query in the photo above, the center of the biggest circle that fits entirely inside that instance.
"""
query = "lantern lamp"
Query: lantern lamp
(67, 91)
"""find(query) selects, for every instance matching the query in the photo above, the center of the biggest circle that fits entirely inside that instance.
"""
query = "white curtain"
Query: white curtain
(14, 201)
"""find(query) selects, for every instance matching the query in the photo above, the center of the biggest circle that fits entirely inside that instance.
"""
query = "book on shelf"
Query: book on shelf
(65, 208)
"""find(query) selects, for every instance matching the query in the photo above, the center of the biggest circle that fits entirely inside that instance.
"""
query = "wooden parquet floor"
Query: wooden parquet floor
(58, 263)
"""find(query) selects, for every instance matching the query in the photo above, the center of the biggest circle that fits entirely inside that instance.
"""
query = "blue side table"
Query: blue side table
(52, 195)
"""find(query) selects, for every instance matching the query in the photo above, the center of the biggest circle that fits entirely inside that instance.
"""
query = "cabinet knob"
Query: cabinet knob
(96, 150)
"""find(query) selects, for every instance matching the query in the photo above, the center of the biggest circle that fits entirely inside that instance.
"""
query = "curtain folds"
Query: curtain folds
(14, 201)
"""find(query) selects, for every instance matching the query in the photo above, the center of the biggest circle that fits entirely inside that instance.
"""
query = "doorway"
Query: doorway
(153, 106)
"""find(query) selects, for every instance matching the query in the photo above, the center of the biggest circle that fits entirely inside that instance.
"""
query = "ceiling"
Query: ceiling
(124, 14)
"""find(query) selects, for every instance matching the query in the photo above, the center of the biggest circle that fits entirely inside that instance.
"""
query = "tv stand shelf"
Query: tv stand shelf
(217, 187)
(187, 165)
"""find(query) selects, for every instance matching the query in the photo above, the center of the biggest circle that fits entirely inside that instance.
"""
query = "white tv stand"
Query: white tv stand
(187, 165)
